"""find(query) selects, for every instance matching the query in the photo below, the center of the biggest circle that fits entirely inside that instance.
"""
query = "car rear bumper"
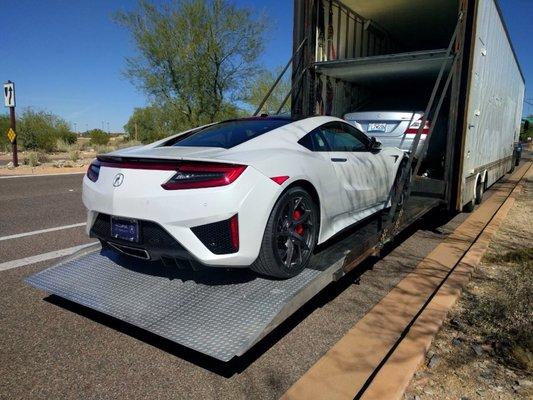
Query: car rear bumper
(171, 215)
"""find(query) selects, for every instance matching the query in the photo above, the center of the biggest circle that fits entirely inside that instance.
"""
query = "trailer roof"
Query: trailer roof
(419, 24)
(414, 23)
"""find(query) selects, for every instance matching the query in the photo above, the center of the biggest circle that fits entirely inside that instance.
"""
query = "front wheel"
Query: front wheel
(290, 235)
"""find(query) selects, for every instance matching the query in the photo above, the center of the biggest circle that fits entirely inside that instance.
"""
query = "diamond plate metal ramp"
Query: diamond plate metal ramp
(220, 313)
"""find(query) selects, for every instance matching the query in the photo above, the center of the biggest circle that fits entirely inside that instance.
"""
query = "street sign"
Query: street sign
(9, 94)
(11, 135)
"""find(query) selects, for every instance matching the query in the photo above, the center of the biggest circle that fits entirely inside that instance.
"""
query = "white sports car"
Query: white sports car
(255, 192)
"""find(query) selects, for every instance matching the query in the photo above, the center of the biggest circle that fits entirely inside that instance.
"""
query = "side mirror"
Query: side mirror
(374, 144)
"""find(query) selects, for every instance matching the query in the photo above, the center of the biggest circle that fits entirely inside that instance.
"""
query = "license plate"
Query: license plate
(377, 127)
(125, 229)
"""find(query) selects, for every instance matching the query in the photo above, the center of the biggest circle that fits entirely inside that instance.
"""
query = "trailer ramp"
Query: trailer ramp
(217, 312)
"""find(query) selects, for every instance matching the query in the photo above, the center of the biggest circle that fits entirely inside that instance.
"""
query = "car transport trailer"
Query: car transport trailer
(386, 55)
(441, 56)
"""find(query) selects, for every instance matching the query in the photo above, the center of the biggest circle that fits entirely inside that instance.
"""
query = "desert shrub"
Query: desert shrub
(130, 143)
(103, 149)
(64, 147)
(30, 159)
(40, 130)
(34, 158)
(98, 137)
(42, 157)
(68, 137)
(505, 314)
(74, 155)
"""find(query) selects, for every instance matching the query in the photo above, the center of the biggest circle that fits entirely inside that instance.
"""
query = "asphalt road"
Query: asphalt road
(54, 349)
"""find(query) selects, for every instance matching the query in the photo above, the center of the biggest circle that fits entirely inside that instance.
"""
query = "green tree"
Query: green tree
(149, 124)
(5, 144)
(527, 129)
(98, 137)
(152, 123)
(41, 130)
(260, 87)
(194, 56)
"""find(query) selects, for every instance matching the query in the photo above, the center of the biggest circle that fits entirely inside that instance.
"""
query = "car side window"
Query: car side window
(314, 141)
(344, 137)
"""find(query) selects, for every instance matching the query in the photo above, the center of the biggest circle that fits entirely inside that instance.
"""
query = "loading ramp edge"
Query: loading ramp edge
(216, 312)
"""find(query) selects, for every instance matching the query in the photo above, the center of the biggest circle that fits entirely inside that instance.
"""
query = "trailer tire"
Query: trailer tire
(480, 190)
(282, 228)
(469, 207)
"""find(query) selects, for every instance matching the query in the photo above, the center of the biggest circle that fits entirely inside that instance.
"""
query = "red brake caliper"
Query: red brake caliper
(299, 229)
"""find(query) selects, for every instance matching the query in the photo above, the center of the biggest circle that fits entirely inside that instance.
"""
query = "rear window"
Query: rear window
(229, 134)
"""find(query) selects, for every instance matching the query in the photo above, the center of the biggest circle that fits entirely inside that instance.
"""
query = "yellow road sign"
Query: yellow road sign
(11, 135)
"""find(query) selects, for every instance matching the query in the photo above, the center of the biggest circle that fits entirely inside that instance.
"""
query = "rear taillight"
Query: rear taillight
(203, 175)
(93, 172)
(234, 232)
(413, 128)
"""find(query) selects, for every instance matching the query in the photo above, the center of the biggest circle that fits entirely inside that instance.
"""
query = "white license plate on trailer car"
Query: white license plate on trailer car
(377, 127)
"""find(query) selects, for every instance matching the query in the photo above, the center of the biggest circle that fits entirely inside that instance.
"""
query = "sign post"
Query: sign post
(9, 101)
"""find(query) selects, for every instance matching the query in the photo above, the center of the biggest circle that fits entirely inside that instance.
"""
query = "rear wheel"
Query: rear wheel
(290, 235)
(480, 190)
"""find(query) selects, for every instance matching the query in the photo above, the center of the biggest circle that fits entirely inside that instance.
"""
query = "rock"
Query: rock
(10, 165)
(430, 354)
(79, 165)
(456, 342)
(477, 349)
(465, 398)
(455, 322)
(525, 383)
(487, 348)
(433, 362)
(487, 374)
(59, 164)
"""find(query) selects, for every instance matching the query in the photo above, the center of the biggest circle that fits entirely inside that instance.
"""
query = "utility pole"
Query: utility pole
(9, 101)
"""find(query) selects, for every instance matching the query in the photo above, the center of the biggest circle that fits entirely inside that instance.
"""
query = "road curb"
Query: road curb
(396, 374)
(400, 328)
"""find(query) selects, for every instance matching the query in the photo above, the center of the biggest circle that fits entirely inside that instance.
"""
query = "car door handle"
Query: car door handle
(339, 159)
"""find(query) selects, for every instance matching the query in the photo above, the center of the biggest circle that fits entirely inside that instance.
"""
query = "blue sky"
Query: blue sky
(67, 57)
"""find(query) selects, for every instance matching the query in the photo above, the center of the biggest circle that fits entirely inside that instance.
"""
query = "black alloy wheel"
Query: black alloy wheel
(290, 235)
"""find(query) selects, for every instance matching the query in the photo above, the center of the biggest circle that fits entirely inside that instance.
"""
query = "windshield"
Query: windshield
(230, 133)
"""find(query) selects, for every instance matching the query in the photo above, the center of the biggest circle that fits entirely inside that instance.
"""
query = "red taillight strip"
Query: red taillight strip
(234, 231)
(229, 174)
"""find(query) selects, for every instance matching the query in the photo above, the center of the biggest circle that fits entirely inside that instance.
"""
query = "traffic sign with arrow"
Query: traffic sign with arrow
(9, 94)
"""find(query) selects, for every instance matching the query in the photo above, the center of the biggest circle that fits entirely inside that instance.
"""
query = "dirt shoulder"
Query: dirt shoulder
(484, 350)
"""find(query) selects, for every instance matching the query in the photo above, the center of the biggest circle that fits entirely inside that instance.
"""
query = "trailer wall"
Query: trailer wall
(494, 105)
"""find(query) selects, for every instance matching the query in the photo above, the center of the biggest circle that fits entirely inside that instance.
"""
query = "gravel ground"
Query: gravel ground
(462, 363)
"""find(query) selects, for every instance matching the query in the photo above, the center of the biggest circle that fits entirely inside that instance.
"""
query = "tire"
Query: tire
(480, 190)
(284, 236)
(469, 207)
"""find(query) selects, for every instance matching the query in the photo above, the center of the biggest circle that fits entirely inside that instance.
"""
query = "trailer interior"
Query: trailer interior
(384, 55)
